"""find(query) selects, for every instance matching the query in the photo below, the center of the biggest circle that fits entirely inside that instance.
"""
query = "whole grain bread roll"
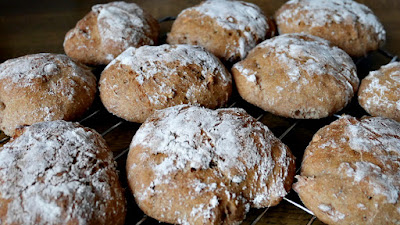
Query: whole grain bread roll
(379, 92)
(348, 24)
(297, 76)
(351, 172)
(108, 30)
(43, 87)
(228, 29)
(144, 79)
(192, 165)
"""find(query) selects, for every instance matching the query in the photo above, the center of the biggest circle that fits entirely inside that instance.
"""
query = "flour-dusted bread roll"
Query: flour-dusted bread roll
(43, 87)
(351, 172)
(141, 80)
(192, 165)
(347, 24)
(59, 172)
(379, 92)
(109, 29)
(228, 29)
(297, 76)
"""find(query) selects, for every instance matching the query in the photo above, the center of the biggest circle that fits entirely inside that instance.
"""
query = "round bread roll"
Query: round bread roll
(59, 173)
(347, 24)
(192, 165)
(379, 92)
(228, 29)
(109, 29)
(142, 80)
(351, 172)
(297, 76)
(43, 87)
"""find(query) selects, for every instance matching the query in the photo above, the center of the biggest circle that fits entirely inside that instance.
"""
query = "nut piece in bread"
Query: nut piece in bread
(43, 87)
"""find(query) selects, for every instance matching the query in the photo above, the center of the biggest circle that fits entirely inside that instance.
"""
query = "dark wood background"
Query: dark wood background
(29, 26)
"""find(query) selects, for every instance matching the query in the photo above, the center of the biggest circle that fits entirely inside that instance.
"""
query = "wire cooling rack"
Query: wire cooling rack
(293, 132)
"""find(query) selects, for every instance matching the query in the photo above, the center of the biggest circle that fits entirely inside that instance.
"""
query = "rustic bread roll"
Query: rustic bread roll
(347, 24)
(59, 173)
(228, 29)
(351, 172)
(192, 165)
(379, 92)
(142, 80)
(43, 87)
(109, 29)
(298, 76)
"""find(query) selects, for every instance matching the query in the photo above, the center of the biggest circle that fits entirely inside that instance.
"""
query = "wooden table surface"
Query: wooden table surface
(29, 27)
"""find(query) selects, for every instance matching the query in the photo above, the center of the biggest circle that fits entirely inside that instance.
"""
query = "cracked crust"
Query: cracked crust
(297, 76)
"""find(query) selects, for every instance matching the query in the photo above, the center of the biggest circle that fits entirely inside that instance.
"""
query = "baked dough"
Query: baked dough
(142, 80)
(59, 172)
(297, 76)
(43, 87)
(192, 165)
(351, 172)
(109, 29)
(228, 29)
(347, 24)
(379, 92)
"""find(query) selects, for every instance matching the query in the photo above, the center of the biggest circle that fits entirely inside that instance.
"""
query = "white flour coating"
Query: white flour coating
(202, 139)
(26, 70)
(249, 74)
(238, 16)
(380, 137)
(306, 57)
(320, 13)
(380, 182)
(335, 215)
(382, 85)
(51, 172)
(122, 22)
